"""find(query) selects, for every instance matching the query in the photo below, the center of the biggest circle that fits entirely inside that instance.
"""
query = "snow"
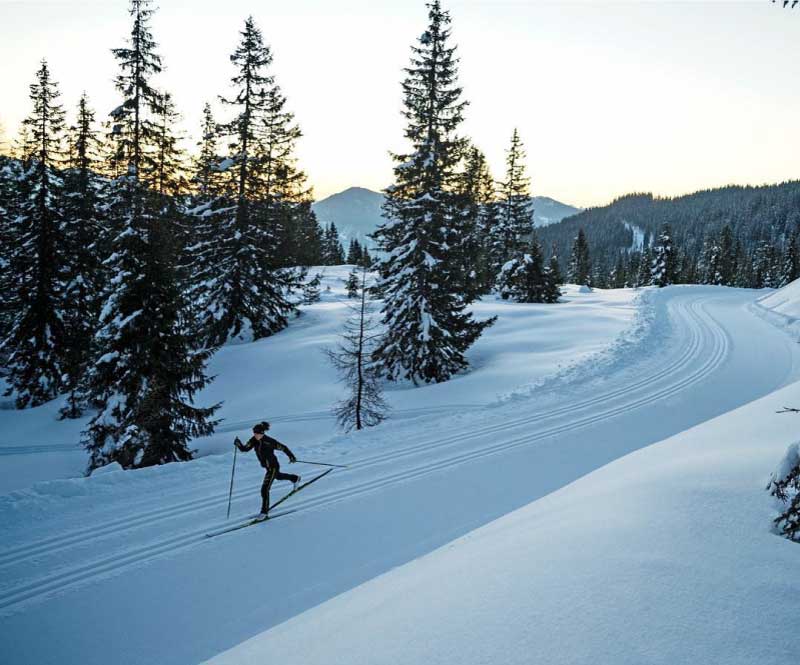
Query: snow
(287, 380)
(518, 509)
(664, 556)
(637, 244)
(782, 307)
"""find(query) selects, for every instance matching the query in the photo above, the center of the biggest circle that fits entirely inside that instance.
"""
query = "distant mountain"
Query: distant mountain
(357, 212)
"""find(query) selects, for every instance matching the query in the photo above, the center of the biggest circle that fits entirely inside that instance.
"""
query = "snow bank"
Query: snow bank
(664, 556)
(782, 308)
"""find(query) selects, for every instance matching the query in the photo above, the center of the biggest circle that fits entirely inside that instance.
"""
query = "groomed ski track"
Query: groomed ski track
(86, 577)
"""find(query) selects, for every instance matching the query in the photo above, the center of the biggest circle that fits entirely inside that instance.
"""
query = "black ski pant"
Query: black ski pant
(273, 474)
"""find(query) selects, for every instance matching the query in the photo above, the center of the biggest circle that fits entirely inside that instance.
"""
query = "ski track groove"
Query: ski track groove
(15, 598)
(60, 541)
(237, 426)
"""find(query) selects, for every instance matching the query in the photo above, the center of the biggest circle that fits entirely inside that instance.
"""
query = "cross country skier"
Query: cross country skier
(265, 447)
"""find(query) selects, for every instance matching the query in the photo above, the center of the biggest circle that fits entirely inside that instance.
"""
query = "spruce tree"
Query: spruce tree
(663, 271)
(37, 342)
(87, 238)
(644, 277)
(284, 200)
(354, 359)
(580, 264)
(333, 253)
(354, 254)
(246, 285)
(727, 257)
(206, 180)
(514, 225)
(352, 284)
(784, 485)
(523, 277)
(555, 266)
(10, 176)
(309, 238)
(790, 269)
(619, 276)
(147, 369)
(477, 189)
(427, 328)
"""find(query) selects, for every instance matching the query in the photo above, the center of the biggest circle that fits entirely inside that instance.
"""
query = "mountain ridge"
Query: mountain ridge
(356, 211)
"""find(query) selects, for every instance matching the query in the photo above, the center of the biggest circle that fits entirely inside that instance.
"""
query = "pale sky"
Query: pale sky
(609, 97)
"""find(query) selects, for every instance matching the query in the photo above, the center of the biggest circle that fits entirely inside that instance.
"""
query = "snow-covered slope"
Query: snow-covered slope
(357, 211)
(664, 556)
(102, 565)
(287, 380)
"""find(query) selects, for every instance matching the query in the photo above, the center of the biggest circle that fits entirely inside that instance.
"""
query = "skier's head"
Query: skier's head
(260, 428)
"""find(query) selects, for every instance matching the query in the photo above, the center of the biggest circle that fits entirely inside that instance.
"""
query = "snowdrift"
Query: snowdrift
(782, 308)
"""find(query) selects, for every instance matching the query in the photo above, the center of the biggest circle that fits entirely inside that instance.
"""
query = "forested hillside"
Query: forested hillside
(762, 223)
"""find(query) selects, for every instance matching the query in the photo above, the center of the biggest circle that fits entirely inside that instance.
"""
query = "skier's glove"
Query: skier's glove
(293, 460)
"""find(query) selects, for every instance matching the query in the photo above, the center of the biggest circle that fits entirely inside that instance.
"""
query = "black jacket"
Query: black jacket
(265, 450)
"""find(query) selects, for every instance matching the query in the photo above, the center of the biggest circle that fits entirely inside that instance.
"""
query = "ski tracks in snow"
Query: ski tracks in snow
(41, 568)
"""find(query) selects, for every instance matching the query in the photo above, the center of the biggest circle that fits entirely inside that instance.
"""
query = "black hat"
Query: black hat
(260, 428)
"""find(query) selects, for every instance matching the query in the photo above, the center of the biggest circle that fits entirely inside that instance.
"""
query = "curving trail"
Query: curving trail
(438, 478)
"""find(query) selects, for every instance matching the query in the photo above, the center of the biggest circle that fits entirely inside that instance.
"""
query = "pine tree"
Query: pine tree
(580, 264)
(147, 369)
(366, 259)
(333, 253)
(354, 254)
(311, 290)
(526, 279)
(784, 485)
(87, 238)
(765, 271)
(644, 277)
(354, 358)
(37, 342)
(523, 277)
(514, 224)
(309, 238)
(246, 284)
(169, 159)
(352, 284)
(555, 267)
(427, 329)
(476, 188)
(663, 269)
(284, 197)
(790, 269)
(206, 177)
(727, 257)
(10, 175)
(619, 277)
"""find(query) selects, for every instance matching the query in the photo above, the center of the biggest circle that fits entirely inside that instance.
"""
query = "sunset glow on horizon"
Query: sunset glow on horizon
(609, 98)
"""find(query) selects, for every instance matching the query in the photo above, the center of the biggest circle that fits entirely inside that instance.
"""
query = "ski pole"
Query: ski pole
(338, 466)
(233, 471)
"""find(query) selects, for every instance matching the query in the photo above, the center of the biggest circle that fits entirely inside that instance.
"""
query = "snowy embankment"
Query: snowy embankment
(782, 308)
(287, 380)
(663, 556)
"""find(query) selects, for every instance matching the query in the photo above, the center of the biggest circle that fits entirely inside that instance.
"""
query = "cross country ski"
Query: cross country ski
(259, 519)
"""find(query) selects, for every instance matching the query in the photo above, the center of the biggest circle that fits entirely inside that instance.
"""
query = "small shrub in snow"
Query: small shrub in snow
(785, 486)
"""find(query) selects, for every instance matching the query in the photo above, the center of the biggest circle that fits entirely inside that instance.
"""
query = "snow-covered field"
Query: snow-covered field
(287, 380)
(643, 560)
(664, 556)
